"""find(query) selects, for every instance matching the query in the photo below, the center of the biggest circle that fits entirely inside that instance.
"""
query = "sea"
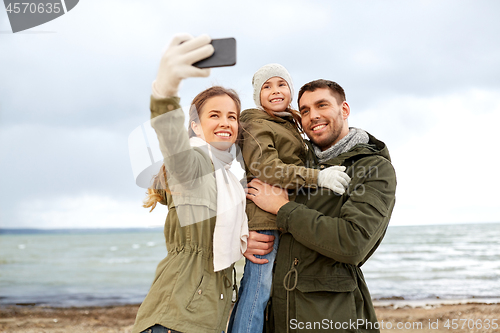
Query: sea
(105, 267)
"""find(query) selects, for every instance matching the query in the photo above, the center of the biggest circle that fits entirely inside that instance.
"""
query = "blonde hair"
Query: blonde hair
(156, 193)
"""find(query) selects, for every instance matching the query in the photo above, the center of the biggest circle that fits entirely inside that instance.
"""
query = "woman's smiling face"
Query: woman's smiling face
(218, 122)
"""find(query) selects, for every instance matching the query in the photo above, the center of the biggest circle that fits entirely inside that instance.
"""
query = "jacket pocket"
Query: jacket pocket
(205, 307)
(325, 302)
(373, 200)
(200, 293)
(331, 284)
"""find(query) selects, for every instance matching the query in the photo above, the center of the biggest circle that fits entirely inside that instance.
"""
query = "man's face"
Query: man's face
(324, 120)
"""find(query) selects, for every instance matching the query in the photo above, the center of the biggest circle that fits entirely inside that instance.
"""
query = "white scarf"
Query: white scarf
(231, 224)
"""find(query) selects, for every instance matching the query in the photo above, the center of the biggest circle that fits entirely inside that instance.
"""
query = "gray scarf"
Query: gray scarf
(345, 144)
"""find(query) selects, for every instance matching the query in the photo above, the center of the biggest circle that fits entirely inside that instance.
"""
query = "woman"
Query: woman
(206, 227)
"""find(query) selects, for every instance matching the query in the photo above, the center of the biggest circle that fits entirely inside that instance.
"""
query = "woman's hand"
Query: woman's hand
(177, 63)
(259, 244)
(267, 197)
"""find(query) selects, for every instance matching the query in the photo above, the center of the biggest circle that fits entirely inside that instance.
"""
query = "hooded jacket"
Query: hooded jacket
(274, 152)
(318, 284)
(186, 294)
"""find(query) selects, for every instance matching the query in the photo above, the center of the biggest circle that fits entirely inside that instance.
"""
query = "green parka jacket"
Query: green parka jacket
(318, 284)
(186, 294)
(274, 152)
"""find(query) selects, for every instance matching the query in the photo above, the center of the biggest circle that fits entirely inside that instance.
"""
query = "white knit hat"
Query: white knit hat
(265, 73)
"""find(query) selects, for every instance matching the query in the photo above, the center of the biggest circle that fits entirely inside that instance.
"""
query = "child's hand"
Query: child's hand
(177, 63)
(334, 178)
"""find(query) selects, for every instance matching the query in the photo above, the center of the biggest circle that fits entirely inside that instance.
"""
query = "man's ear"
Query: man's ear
(196, 129)
(346, 110)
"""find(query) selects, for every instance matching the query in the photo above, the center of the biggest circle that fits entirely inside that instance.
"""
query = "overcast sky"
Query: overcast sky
(422, 76)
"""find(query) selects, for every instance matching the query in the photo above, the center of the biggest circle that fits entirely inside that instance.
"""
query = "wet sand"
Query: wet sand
(120, 319)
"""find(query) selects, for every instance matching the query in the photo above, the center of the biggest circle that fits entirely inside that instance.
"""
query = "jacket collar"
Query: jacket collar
(253, 114)
(373, 147)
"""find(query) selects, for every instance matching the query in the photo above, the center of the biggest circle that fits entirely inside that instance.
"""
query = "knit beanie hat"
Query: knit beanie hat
(265, 73)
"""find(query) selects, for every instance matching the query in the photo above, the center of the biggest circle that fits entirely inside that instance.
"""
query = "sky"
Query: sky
(422, 76)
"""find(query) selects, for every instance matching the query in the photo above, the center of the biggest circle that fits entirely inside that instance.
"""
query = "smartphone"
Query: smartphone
(224, 54)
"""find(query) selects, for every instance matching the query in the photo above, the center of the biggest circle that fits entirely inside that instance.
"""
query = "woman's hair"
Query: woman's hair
(156, 193)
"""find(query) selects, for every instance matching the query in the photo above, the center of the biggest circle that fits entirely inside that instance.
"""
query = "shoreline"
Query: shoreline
(434, 302)
(120, 318)
(395, 302)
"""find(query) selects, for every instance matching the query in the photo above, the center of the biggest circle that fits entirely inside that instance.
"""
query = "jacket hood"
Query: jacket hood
(253, 114)
(378, 147)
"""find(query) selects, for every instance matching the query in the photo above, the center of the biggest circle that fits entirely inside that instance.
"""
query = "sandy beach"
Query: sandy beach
(471, 317)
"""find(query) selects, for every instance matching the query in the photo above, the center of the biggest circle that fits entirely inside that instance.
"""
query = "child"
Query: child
(273, 151)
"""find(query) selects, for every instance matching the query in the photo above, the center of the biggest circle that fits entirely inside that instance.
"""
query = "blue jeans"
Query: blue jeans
(255, 288)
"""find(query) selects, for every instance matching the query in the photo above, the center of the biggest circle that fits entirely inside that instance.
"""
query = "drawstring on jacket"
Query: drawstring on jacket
(235, 286)
(286, 283)
(225, 283)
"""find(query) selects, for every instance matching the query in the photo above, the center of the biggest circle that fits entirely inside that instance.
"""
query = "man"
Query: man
(318, 284)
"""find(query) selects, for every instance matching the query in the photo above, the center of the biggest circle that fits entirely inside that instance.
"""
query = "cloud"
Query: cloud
(48, 160)
(447, 173)
(416, 74)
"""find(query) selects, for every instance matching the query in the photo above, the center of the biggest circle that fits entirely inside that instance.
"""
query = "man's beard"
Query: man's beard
(331, 138)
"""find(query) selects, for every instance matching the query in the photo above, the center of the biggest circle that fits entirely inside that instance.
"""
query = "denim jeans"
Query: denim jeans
(255, 288)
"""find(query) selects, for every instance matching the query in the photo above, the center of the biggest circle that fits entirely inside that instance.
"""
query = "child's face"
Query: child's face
(275, 94)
